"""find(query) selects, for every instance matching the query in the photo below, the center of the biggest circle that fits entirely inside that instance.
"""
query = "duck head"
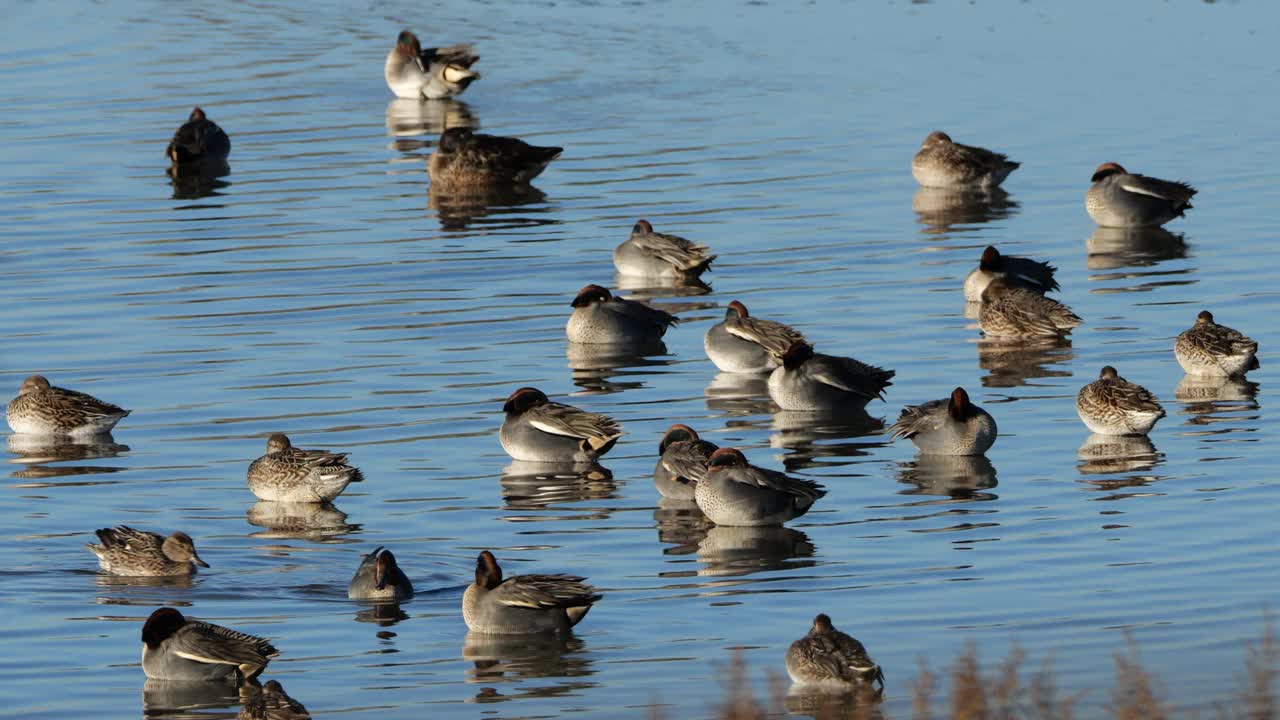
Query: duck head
(936, 137)
(179, 547)
(990, 259)
(821, 625)
(676, 433)
(591, 294)
(453, 140)
(725, 458)
(278, 442)
(162, 624)
(384, 570)
(34, 384)
(959, 407)
(523, 400)
(407, 44)
(642, 227)
(1204, 318)
(796, 355)
(1107, 169)
(1108, 373)
(488, 573)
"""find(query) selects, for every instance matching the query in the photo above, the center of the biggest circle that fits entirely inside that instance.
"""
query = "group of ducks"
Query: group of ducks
(727, 488)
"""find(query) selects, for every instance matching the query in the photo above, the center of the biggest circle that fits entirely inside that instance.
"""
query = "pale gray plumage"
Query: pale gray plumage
(1024, 272)
(290, 474)
(826, 656)
(1118, 198)
(538, 430)
(178, 648)
(523, 603)
(428, 74)
(43, 409)
(379, 577)
(682, 462)
(734, 492)
(950, 426)
(138, 553)
(600, 318)
(647, 253)
(1016, 312)
(812, 381)
(742, 343)
(1213, 350)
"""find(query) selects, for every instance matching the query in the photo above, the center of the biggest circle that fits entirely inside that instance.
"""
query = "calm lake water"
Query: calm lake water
(322, 291)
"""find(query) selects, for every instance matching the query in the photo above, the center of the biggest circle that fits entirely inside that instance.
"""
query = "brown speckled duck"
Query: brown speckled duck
(941, 163)
(464, 160)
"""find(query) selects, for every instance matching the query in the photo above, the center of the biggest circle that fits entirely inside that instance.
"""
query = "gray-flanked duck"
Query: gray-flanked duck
(735, 492)
(1119, 198)
(379, 578)
(522, 604)
(742, 343)
(599, 318)
(682, 462)
(430, 74)
(538, 430)
(175, 647)
(1023, 272)
(651, 254)
(811, 381)
(950, 426)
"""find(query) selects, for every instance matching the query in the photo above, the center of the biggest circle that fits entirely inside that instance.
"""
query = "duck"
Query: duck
(379, 578)
(175, 647)
(1118, 198)
(1112, 405)
(198, 140)
(272, 703)
(1024, 272)
(942, 163)
(431, 74)
(826, 656)
(600, 318)
(538, 430)
(682, 462)
(42, 409)
(658, 255)
(1210, 350)
(745, 344)
(524, 604)
(950, 426)
(138, 553)
(736, 493)
(1011, 311)
(811, 381)
(465, 161)
(290, 474)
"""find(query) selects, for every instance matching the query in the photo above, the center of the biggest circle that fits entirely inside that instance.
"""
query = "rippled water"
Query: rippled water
(321, 289)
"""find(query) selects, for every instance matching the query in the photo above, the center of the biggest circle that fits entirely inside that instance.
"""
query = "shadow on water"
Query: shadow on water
(954, 478)
(317, 522)
(728, 551)
(1011, 363)
(941, 210)
(594, 365)
(408, 118)
(813, 439)
(520, 659)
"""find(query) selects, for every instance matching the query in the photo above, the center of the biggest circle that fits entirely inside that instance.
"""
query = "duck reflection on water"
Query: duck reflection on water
(957, 478)
(814, 438)
(730, 551)
(518, 206)
(541, 488)
(942, 210)
(1115, 248)
(408, 118)
(561, 659)
(181, 700)
(1112, 454)
(594, 365)
(38, 451)
(1220, 402)
(299, 521)
(1012, 362)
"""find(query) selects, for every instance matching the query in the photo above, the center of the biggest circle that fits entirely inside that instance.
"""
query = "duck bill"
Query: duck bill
(198, 561)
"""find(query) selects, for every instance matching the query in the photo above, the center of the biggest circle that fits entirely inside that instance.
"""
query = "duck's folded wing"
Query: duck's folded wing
(460, 55)
(781, 482)
(1128, 396)
(981, 160)
(1040, 274)
(571, 422)
(203, 642)
(688, 460)
(1171, 190)
(642, 313)
(82, 403)
(772, 336)
(129, 539)
(850, 375)
(507, 153)
(673, 249)
(917, 419)
(546, 591)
